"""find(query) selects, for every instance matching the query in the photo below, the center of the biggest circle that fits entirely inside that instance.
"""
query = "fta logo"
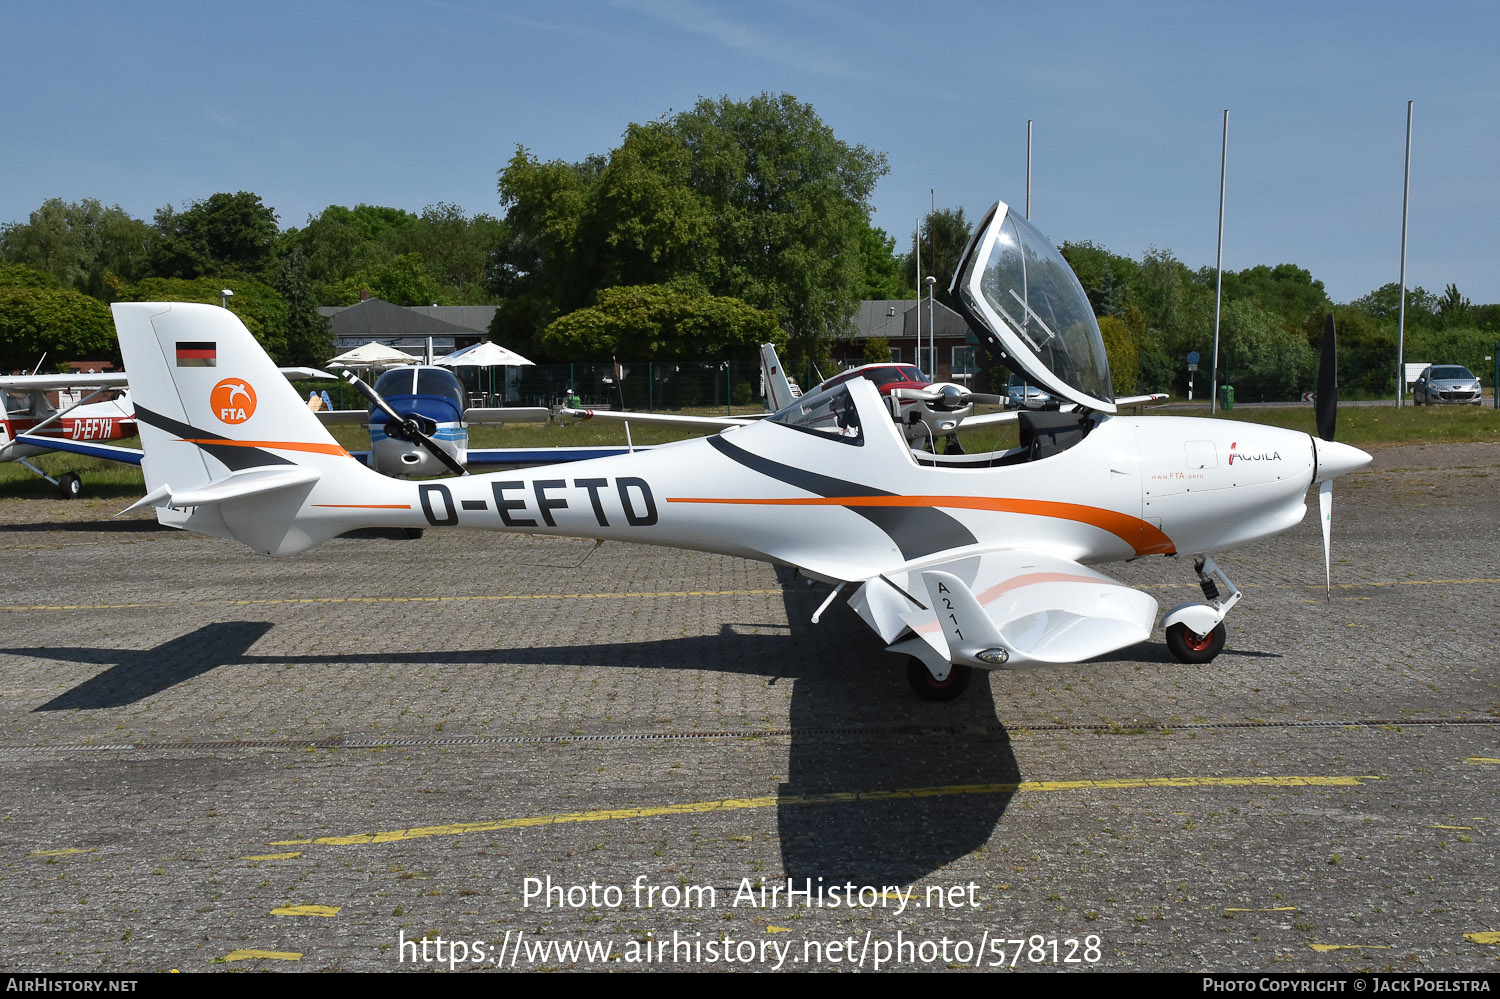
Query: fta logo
(232, 401)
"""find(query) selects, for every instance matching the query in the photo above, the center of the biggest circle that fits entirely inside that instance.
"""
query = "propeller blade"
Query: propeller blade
(987, 398)
(408, 425)
(1325, 510)
(376, 400)
(1327, 405)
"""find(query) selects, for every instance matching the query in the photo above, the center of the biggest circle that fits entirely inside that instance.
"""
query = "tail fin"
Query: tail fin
(230, 448)
(779, 391)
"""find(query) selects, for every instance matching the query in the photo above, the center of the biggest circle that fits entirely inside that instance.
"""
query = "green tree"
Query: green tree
(756, 200)
(401, 280)
(1107, 278)
(789, 198)
(260, 308)
(340, 242)
(457, 250)
(12, 275)
(1453, 308)
(944, 236)
(85, 246)
(223, 234)
(1384, 303)
(882, 268)
(1261, 358)
(61, 323)
(1286, 291)
(309, 338)
(656, 322)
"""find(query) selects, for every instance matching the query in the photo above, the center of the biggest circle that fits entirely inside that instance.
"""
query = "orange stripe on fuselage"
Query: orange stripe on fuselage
(367, 506)
(1145, 538)
(332, 449)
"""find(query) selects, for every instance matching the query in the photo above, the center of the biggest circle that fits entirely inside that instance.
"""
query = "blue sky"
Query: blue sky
(412, 102)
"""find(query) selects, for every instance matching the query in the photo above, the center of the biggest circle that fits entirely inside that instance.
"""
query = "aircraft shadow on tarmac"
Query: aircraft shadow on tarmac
(864, 753)
(881, 789)
(90, 526)
(134, 676)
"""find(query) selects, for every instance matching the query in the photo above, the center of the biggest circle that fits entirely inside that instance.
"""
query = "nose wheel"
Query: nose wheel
(929, 688)
(1195, 632)
(1188, 646)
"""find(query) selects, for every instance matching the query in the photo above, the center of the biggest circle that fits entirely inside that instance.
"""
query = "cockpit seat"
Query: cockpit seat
(1045, 433)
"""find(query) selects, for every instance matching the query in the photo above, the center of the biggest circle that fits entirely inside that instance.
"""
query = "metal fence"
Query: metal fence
(642, 386)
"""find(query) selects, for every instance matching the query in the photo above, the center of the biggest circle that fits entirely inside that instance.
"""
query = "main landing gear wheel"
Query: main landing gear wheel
(70, 486)
(929, 688)
(1190, 647)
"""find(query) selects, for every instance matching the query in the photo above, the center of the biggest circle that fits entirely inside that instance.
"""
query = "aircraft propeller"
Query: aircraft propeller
(947, 397)
(1326, 411)
(408, 423)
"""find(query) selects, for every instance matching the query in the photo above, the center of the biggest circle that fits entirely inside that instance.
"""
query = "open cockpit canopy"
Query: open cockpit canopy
(1019, 293)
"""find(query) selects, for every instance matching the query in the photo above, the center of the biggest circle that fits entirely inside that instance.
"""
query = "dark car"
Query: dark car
(1446, 384)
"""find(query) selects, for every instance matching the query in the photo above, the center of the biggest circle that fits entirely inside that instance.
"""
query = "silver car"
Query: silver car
(1023, 395)
(1446, 384)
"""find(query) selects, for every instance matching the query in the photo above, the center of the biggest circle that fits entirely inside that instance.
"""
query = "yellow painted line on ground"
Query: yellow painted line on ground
(307, 910)
(1282, 908)
(1480, 759)
(1487, 937)
(832, 798)
(410, 600)
(268, 955)
(275, 856)
(1470, 828)
(62, 853)
(1326, 947)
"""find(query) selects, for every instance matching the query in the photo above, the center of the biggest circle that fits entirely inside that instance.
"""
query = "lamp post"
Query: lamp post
(224, 296)
(931, 330)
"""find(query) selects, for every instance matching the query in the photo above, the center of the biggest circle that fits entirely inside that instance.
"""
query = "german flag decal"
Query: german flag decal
(197, 354)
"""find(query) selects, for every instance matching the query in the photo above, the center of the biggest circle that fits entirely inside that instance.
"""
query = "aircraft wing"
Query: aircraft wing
(1006, 416)
(987, 419)
(661, 419)
(1032, 606)
(507, 414)
(522, 457)
(109, 452)
(342, 417)
(525, 457)
(48, 383)
(1141, 400)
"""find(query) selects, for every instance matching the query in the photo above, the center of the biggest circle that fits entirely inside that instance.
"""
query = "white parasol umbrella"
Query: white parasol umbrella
(373, 355)
(483, 355)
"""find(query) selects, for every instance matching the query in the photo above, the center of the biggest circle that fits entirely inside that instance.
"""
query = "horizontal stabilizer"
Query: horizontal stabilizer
(235, 485)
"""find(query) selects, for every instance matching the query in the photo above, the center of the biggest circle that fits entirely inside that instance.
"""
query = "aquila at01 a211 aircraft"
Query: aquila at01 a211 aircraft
(957, 561)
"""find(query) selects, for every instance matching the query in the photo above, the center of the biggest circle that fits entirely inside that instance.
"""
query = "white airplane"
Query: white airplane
(419, 422)
(958, 561)
(30, 425)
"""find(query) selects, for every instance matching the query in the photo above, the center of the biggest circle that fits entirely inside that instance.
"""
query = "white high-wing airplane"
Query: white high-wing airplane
(959, 561)
(30, 425)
